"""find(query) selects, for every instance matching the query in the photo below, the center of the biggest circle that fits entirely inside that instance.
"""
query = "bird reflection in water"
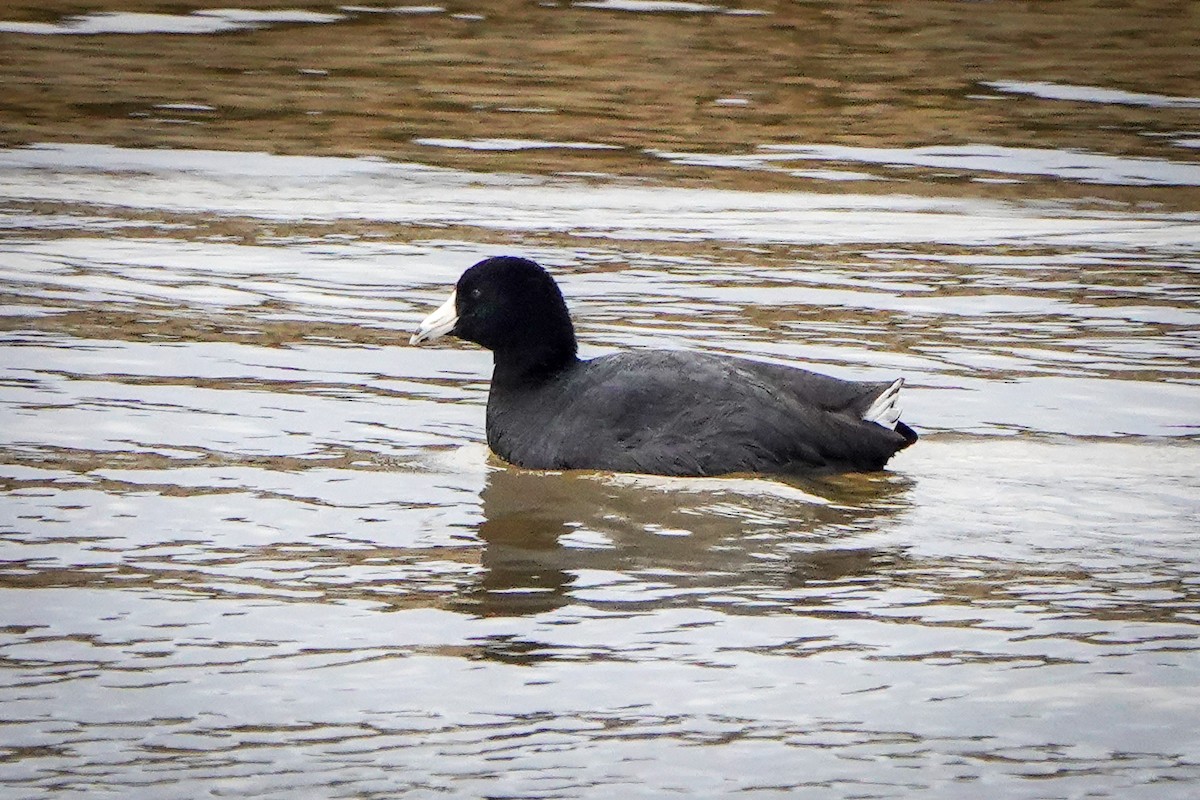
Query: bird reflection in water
(625, 541)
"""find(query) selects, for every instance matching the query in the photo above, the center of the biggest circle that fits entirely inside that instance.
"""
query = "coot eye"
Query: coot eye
(476, 293)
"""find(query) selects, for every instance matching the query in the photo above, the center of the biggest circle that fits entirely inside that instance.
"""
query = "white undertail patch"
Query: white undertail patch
(885, 410)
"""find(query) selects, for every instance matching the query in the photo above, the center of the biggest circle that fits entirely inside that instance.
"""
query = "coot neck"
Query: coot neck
(526, 367)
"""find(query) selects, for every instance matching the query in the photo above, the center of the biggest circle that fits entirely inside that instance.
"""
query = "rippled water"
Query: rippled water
(252, 543)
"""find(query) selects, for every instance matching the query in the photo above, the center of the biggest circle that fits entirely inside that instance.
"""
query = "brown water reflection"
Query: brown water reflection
(858, 73)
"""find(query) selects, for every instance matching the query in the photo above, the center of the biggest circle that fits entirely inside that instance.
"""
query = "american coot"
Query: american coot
(654, 411)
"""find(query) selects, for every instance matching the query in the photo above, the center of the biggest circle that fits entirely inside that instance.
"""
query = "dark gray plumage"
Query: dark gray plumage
(660, 412)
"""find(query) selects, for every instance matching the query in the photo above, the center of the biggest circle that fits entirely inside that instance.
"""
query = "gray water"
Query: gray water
(253, 544)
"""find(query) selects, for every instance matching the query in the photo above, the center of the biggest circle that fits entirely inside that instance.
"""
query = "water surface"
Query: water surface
(252, 543)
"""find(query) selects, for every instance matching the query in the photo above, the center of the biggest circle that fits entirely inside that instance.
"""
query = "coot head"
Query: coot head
(512, 307)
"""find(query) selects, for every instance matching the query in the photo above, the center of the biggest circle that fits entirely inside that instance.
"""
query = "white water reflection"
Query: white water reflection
(285, 188)
(204, 21)
(513, 144)
(1092, 94)
(1063, 165)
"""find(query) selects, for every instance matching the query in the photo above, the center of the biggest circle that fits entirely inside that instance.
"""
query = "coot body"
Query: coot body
(655, 411)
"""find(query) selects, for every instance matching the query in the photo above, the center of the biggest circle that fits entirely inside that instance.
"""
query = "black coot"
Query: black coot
(655, 411)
